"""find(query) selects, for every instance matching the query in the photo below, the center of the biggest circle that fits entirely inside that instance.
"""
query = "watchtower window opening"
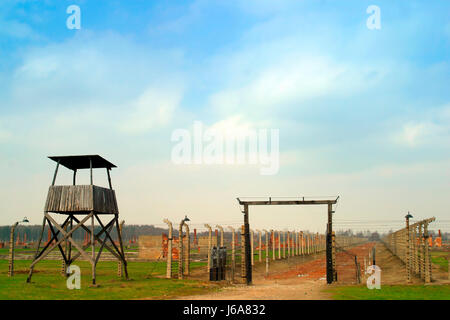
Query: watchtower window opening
(84, 170)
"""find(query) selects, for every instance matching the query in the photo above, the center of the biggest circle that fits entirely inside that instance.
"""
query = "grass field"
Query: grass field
(145, 282)
(440, 258)
(395, 292)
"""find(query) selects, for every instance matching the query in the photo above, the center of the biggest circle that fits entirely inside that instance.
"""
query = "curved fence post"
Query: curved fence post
(169, 249)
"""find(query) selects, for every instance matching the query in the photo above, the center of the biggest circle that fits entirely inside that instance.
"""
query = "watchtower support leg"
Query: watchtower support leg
(93, 243)
(122, 252)
(38, 247)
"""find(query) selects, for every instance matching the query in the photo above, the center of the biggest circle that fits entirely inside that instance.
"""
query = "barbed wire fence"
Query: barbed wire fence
(267, 247)
(411, 245)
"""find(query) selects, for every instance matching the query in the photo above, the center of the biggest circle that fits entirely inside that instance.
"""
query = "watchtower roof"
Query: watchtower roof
(83, 162)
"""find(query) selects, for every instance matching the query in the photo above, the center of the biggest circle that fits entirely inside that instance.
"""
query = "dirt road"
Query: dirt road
(287, 281)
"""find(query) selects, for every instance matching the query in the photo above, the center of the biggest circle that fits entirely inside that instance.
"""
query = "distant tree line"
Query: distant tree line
(375, 236)
(131, 232)
(32, 232)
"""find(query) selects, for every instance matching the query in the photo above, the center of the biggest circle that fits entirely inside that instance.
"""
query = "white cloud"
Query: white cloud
(18, 30)
(4, 136)
(154, 108)
(432, 127)
(288, 81)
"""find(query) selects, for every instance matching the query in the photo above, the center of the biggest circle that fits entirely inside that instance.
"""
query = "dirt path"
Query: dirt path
(293, 289)
(288, 281)
(303, 278)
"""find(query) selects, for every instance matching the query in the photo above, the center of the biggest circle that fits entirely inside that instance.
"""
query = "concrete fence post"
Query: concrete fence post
(11, 250)
(251, 247)
(267, 252)
(221, 235)
(294, 239)
(420, 252)
(209, 245)
(301, 244)
(119, 264)
(260, 246)
(289, 243)
(169, 249)
(233, 253)
(427, 255)
(284, 244)
(187, 261)
(180, 251)
(317, 243)
(279, 245)
(307, 244)
(273, 244)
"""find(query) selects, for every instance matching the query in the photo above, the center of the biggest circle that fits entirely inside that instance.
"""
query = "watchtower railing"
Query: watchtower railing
(81, 198)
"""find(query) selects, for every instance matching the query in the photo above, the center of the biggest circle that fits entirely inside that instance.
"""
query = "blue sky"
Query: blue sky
(362, 113)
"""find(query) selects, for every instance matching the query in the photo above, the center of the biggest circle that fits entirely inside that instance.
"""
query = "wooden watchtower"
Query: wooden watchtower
(81, 205)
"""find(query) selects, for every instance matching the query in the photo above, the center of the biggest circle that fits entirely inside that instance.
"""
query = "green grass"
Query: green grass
(144, 283)
(17, 250)
(440, 258)
(394, 292)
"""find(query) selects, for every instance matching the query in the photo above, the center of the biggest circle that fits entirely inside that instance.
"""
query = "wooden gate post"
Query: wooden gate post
(334, 256)
(169, 249)
(243, 262)
(248, 263)
(329, 252)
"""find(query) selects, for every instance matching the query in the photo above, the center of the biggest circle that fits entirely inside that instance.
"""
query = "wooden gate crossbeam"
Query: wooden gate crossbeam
(331, 272)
